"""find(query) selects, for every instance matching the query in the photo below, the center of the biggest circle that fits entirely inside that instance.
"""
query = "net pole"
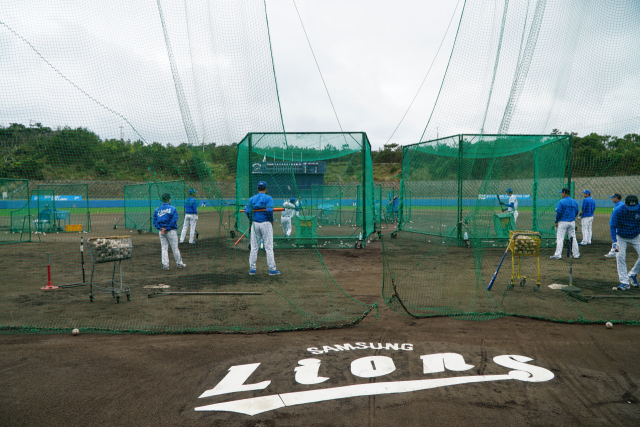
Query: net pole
(460, 154)
(534, 192)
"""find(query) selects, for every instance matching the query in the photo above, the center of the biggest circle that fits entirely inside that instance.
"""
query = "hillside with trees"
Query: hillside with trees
(41, 153)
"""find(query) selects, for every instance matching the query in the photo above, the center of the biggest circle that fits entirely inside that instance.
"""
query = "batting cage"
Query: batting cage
(329, 177)
(72, 206)
(141, 200)
(15, 218)
(456, 187)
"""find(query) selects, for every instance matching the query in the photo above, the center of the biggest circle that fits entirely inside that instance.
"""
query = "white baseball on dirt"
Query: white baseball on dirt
(76, 331)
(609, 325)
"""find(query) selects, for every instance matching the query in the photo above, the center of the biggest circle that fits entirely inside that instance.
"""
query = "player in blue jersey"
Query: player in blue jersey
(566, 214)
(586, 214)
(190, 217)
(625, 230)
(165, 219)
(259, 210)
(616, 199)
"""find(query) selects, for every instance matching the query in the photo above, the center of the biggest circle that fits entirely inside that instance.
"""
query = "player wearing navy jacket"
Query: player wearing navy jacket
(259, 210)
(165, 219)
(566, 213)
(625, 230)
(586, 213)
(190, 217)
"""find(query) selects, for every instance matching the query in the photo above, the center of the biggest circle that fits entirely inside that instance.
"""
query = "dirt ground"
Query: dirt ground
(135, 379)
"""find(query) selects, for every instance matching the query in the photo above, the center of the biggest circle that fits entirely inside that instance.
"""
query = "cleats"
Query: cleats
(274, 272)
(623, 287)
(555, 257)
(634, 280)
(252, 272)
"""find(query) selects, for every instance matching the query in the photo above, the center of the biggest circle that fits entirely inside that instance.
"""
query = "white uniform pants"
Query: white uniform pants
(587, 229)
(189, 220)
(568, 228)
(622, 258)
(170, 238)
(262, 231)
(515, 217)
(286, 225)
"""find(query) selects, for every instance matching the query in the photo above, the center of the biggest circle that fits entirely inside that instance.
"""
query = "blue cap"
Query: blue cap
(509, 190)
(192, 191)
(587, 192)
(292, 200)
(617, 195)
(262, 185)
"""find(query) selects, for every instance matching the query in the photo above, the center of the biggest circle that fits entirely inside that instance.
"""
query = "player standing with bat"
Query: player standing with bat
(566, 214)
(625, 229)
(259, 210)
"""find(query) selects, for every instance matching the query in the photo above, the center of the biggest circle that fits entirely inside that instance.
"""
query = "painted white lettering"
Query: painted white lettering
(326, 348)
(373, 347)
(437, 362)
(390, 346)
(234, 381)
(372, 366)
(257, 405)
(344, 347)
(528, 373)
(407, 347)
(314, 350)
(361, 345)
(308, 372)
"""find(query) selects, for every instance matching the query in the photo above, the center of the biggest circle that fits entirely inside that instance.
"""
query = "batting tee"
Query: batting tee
(15, 219)
(141, 200)
(329, 174)
(455, 187)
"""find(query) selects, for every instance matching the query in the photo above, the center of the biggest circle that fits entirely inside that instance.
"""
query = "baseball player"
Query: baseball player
(190, 217)
(44, 219)
(512, 205)
(259, 210)
(617, 201)
(625, 230)
(285, 219)
(165, 219)
(395, 202)
(586, 214)
(566, 214)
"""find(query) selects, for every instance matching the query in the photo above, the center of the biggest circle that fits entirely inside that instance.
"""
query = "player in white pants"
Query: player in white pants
(512, 205)
(586, 213)
(625, 226)
(566, 213)
(165, 219)
(617, 201)
(287, 215)
(190, 217)
(259, 210)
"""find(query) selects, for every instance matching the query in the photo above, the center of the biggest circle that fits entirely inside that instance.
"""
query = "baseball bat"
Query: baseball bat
(242, 236)
(493, 279)
(500, 202)
(264, 210)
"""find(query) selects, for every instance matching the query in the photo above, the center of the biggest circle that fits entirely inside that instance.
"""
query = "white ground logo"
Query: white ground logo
(364, 367)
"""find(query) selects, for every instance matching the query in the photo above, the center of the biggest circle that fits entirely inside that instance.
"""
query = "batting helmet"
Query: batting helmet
(192, 191)
(166, 197)
(292, 200)
(509, 190)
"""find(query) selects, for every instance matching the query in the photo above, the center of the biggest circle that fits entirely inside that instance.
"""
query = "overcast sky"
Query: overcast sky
(105, 66)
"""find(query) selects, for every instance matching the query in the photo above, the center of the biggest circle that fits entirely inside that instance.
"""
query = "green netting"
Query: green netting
(15, 218)
(162, 110)
(329, 174)
(72, 204)
(442, 260)
(141, 200)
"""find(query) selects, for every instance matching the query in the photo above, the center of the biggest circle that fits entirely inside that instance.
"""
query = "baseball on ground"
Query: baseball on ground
(76, 331)
(609, 325)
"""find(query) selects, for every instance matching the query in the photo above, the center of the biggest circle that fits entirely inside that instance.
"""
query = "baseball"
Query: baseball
(76, 331)
(609, 325)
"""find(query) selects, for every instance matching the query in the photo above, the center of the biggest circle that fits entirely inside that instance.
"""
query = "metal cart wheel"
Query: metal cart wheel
(232, 234)
(91, 298)
(358, 245)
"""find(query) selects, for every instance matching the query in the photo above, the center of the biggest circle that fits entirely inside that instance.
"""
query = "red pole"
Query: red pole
(49, 287)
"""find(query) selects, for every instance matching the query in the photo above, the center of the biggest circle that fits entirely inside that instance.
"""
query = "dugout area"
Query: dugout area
(329, 174)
